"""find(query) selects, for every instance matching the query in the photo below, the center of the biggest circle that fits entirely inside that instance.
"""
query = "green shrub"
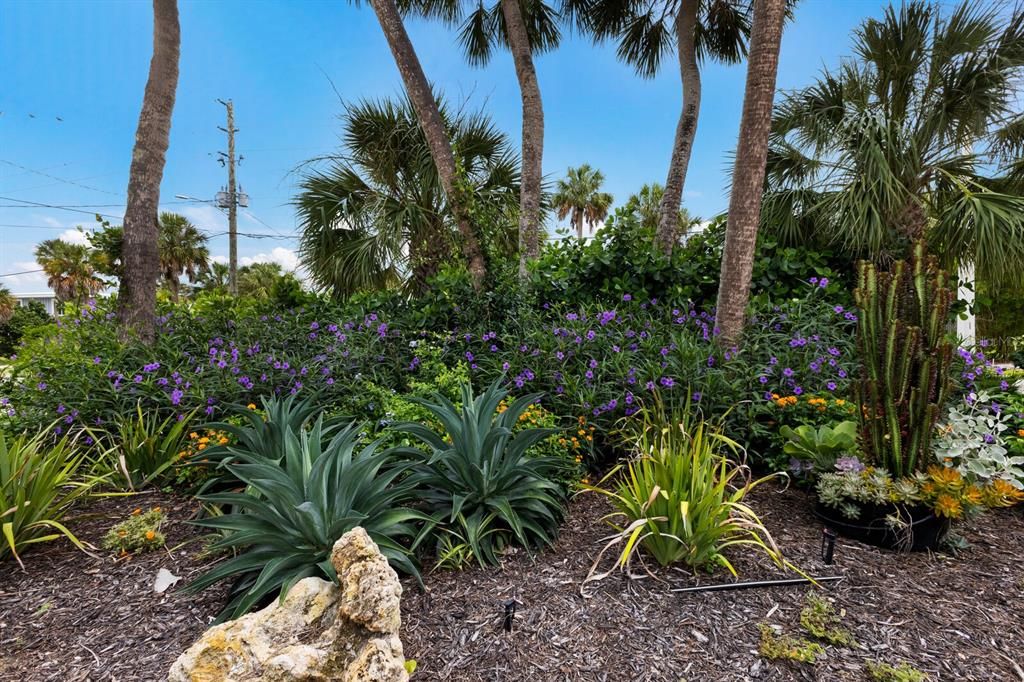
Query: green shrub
(141, 448)
(821, 621)
(25, 321)
(39, 483)
(681, 497)
(139, 532)
(904, 672)
(820, 447)
(478, 479)
(293, 511)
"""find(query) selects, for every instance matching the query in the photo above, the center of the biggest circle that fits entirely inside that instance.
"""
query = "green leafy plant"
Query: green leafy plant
(144, 448)
(39, 483)
(139, 532)
(904, 672)
(906, 358)
(786, 647)
(821, 447)
(820, 620)
(294, 510)
(476, 476)
(681, 497)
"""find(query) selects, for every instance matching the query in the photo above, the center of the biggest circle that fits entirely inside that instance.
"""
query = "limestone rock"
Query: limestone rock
(319, 632)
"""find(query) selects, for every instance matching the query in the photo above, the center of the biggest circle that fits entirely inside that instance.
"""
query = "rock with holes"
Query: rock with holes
(321, 631)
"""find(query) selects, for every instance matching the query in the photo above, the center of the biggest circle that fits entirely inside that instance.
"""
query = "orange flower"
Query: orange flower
(948, 506)
(150, 534)
(136, 511)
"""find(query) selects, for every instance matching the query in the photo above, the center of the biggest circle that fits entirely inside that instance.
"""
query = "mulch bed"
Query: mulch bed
(74, 617)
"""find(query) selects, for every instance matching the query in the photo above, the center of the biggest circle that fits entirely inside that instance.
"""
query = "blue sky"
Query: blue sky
(86, 63)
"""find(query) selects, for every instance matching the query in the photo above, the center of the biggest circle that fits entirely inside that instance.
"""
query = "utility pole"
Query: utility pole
(232, 200)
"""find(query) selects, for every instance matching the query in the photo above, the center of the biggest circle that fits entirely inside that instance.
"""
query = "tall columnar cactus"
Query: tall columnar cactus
(905, 356)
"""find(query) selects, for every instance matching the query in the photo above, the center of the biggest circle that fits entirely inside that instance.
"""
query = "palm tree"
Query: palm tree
(69, 270)
(378, 215)
(917, 135)
(645, 206)
(8, 304)
(646, 31)
(429, 115)
(257, 280)
(579, 196)
(137, 296)
(215, 278)
(525, 27)
(749, 169)
(183, 251)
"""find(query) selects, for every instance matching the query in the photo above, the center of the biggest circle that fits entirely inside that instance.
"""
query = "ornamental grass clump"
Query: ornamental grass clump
(680, 498)
(39, 482)
(478, 478)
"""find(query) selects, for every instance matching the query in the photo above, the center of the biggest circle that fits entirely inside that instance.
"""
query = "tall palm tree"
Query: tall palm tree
(7, 304)
(378, 215)
(907, 139)
(525, 27)
(749, 169)
(69, 270)
(257, 280)
(183, 251)
(137, 295)
(645, 206)
(579, 196)
(646, 31)
(428, 112)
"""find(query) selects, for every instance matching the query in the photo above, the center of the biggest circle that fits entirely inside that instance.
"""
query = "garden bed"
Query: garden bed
(73, 617)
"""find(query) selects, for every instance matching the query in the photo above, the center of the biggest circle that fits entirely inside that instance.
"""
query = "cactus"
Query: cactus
(905, 356)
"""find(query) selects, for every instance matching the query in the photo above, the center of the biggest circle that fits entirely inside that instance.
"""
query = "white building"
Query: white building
(47, 298)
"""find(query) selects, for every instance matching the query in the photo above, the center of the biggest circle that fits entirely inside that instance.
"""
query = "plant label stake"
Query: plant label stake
(828, 545)
(510, 614)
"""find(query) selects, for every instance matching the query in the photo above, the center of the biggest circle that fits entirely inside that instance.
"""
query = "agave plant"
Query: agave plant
(681, 498)
(477, 478)
(39, 482)
(294, 510)
(264, 434)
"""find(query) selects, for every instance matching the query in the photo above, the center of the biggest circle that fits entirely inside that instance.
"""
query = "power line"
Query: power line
(23, 272)
(25, 203)
(64, 180)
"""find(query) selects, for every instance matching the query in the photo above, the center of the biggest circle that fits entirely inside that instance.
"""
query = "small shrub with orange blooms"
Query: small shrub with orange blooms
(140, 532)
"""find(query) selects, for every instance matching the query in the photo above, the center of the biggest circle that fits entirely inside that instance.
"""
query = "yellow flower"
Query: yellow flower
(945, 475)
(136, 511)
(948, 506)
(251, 406)
(202, 446)
(156, 509)
(840, 402)
(1020, 432)
(204, 440)
(193, 435)
(222, 441)
(972, 495)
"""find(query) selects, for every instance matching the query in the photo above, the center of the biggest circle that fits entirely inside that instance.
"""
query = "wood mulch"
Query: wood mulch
(74, 617)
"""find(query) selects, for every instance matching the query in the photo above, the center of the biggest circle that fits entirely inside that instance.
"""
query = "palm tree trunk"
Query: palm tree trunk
(140, 252)
(748, 172)
(577, 217)
(533, 134)
(423, 101)
(686, 129)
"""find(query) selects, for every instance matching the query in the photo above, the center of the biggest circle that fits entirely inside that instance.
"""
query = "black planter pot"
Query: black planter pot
(920, 529)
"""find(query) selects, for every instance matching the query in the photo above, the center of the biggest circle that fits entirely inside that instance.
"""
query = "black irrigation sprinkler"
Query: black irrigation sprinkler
(828, 545)
(510, 614)
(721, 587)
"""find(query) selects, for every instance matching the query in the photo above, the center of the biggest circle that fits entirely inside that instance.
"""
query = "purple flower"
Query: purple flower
(96, 360)
(823, 282)
(849, 464)
(831, 385)
(787, 372)
(667, 382)
(697, 396)
(627, 297)
(797, 390)
(41, 385)
(763, 379)
(176, 396)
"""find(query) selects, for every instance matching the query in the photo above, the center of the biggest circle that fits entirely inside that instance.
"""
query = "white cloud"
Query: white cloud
(286, 258)
(29, 283)
(49, 220)
(206, 218)
(74, 236)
